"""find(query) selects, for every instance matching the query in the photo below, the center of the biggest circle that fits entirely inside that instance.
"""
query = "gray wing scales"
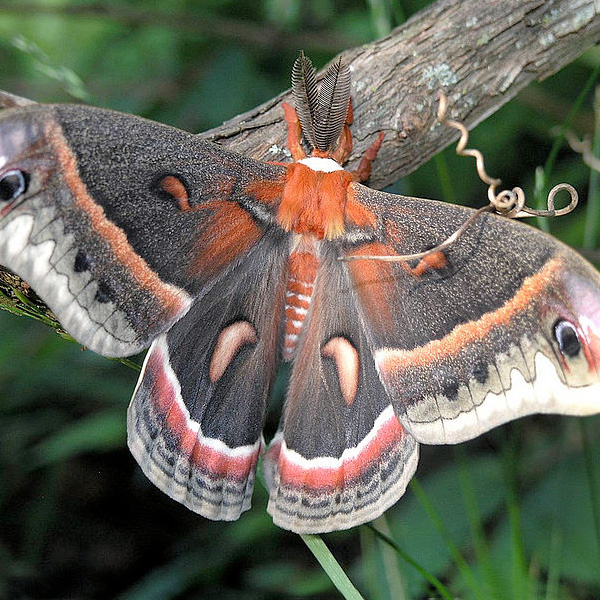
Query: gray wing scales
(503, 323)
(196, 418)
(341, 457)
(121, 222)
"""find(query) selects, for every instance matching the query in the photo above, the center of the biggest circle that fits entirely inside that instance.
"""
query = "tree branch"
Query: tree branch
(480, 53)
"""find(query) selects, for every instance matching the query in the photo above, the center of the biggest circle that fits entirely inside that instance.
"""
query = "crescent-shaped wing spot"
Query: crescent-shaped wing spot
(436, 261)
(230, 340)
(346, 363)
(174, 187)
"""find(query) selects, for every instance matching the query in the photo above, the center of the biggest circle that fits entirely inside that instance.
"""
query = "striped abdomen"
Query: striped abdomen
(298, 296)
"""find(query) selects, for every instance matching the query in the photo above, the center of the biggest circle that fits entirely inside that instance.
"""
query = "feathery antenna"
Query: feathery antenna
(334, 96)
(306, 96)
(321, 110)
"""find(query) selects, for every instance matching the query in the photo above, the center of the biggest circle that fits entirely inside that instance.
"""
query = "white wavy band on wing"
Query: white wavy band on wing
(33, 262)
(327, 493)
(545, 394)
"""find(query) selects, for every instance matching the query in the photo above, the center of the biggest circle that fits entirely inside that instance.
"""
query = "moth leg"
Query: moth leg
(294, 137)
(363, 171)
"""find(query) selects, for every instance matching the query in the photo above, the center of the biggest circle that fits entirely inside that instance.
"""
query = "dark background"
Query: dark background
(513, 514)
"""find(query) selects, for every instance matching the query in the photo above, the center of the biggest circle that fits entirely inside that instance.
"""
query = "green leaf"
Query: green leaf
(102, 432)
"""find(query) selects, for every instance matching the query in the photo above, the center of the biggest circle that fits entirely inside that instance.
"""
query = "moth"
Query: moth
(137, 234)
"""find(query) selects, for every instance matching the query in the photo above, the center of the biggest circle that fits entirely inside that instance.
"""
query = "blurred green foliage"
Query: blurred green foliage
(512, 515)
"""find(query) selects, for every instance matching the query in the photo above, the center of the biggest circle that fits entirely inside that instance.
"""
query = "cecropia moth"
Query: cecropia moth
(137, 234)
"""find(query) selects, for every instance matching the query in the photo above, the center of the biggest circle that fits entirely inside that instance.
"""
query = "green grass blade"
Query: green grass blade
(592, 478)
(553, 580)
(458, 558)
(542, 182)
(475, 518)
(520, 579)
(331, 566)
(70, 81)
(393, 574)
(446, 183)
(41, 516)
(433, 580)
(98, 432)
(591, 236)
(380, 16)
(171, 580)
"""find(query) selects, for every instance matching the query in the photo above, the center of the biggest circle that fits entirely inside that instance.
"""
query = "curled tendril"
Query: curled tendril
(461, 146)
(583, 147)
(508, 203)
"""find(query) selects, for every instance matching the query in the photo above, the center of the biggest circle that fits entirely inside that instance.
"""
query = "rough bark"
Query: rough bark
(480, 53)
